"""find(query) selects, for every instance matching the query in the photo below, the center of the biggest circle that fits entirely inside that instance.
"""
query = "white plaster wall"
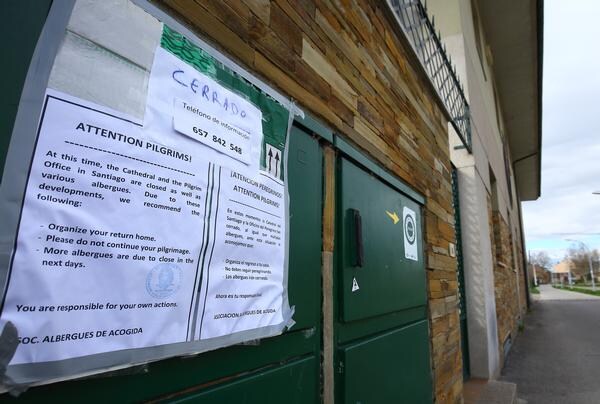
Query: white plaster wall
(474, 182)
(483, 109)
(459, 36)
(479, 280)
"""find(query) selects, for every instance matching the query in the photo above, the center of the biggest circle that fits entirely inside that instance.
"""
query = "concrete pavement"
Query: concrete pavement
(556, 359)
(482, 391)
(547, 292)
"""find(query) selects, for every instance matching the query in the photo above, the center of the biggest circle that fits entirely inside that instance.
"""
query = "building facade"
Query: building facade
(388, 304)
(497, 49)
(562, 273)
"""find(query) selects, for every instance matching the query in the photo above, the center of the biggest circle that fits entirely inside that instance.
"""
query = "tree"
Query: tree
(540, 264)
(580, 256)
(541, 259)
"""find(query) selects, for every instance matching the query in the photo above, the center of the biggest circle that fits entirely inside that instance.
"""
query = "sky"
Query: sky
(567, 208)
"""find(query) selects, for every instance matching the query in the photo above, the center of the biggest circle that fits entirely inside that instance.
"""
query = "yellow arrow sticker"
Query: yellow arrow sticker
(393, 216)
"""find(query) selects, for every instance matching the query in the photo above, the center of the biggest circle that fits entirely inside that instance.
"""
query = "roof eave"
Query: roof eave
(514, 31)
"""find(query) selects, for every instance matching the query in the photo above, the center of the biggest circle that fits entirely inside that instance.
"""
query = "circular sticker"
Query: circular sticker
(409, 229)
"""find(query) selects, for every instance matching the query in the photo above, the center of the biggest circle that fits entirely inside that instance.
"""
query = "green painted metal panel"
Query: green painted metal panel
(354, 154)
(295, 382)
(358, 329)
(392, 367)
(174, 375)
(313, 125)
(387, 281)
(305, 183)
(381, 332)
(22, 23)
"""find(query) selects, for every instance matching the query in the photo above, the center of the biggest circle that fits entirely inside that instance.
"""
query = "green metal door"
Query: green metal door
(21, 26)
(382, 328)
(383, 268)
(464, 339)
(274, 370)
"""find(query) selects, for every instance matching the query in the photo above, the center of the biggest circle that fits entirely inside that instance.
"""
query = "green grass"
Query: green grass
(534, 290)
(580, 290)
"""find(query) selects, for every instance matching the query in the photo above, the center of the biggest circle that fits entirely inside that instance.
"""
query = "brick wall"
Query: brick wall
(523, 286)
(517, 264)
(507, 291)
(342, 62)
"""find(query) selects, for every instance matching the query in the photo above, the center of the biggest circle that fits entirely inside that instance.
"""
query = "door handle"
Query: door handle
(359, 251)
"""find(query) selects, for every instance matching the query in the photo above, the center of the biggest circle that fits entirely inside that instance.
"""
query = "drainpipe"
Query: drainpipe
(523, 256)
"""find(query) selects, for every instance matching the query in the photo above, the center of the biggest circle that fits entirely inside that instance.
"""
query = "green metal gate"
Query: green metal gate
(460, 271)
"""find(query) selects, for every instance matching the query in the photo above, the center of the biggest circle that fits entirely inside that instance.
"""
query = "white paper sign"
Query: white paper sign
(208, 129)
(129, 239)
(181, 98)
(409, 221)
(245, 280)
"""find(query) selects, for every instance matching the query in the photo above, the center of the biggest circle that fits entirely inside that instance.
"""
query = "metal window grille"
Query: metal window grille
(412, 18)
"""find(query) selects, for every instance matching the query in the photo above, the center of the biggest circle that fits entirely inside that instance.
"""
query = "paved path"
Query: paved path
(547, 292)
(556, 359)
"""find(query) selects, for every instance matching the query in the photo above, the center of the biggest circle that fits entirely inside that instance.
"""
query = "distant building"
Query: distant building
(562, 271)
